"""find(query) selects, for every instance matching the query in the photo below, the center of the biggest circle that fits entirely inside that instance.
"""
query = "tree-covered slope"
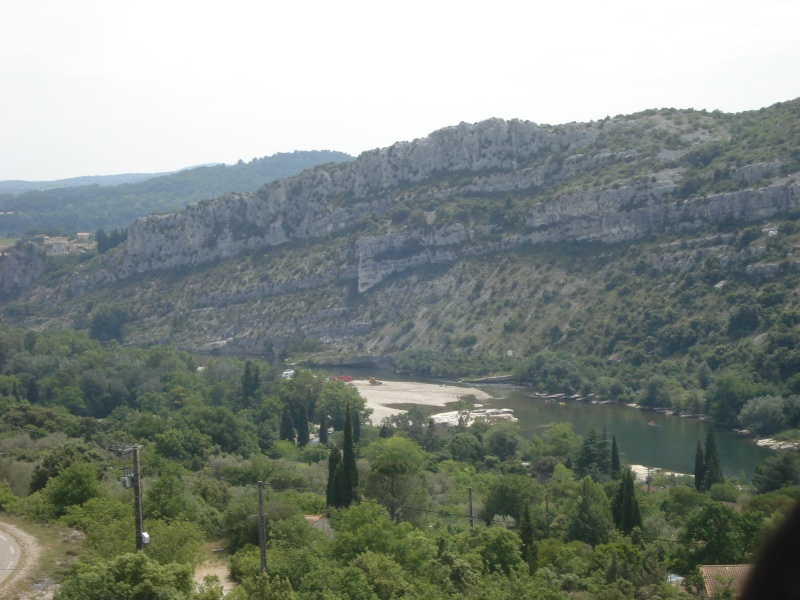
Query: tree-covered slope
(91, 206)
(646, 258)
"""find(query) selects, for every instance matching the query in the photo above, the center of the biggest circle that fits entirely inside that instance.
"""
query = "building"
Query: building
(721, 578)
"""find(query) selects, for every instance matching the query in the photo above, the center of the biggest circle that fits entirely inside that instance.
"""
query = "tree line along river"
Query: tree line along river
(668, 444)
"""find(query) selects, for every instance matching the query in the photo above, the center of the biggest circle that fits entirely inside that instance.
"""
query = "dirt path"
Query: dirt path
(220, 570)
(30, 552)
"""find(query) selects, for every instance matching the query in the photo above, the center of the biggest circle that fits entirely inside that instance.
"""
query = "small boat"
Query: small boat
(653, 424)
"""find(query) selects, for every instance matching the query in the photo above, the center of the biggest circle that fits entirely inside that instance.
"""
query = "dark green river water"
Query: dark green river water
(669, 445)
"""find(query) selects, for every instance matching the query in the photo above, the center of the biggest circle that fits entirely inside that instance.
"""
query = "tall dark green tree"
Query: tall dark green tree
(616, 469)
(603, 453)
(287, 425)
(108, 322)
(527, 536)
(356, 426)
(591, 521)
(323, 429)
(594, 458)
(699, 467)
(625, 507)
(251, 381)
(333, 489)
(712, 470)
(301, 425)
(349, 470)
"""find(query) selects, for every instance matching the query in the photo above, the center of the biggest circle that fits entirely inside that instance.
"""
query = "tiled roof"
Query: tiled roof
(723, 577)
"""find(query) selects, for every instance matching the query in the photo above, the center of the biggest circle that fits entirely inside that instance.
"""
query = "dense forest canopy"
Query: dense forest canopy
(556, 515)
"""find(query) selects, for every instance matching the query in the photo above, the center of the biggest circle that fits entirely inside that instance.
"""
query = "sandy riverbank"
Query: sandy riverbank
(640, 471)
(380, 398)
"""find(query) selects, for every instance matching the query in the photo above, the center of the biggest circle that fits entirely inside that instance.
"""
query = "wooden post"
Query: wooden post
(137, 496)
(262, 527)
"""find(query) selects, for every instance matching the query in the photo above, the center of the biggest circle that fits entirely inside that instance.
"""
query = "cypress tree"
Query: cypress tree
(591, 523)
(616, 503)
(287, 425)
(585, 461)
(635, 513)
(349, 470)
(526, 533)
(251, 381)
(302, 427)
(334, 476)
(699, 467)
(625, 508)
(712, 471)
(603, 455)
(593, 457)
(616, 469)
(356, 427)
(101, 237)
(323, 429)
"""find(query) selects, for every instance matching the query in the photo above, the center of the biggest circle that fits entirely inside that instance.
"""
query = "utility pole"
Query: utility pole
(137, 495)
(125, 450)
(471, 517)
(262, 527)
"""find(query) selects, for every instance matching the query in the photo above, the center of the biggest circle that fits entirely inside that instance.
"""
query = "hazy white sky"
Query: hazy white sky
(97, 87)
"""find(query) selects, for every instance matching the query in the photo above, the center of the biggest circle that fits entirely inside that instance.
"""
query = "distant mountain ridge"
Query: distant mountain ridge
(525, 163)
(89, 203)
(19, 186)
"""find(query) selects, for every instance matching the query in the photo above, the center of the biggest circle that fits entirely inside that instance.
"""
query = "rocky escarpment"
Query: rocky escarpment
(20, 266)
(491, 159)
(327, 200)
(595, 216)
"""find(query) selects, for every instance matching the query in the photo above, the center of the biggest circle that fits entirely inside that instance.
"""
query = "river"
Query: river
(670, 444)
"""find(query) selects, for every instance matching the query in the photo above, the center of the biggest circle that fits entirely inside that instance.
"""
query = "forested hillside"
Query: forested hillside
(90, 207)
(557, 516)
(646, 259)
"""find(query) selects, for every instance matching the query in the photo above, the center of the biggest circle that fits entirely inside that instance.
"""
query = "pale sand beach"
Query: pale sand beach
(640, 471)
(380, 397)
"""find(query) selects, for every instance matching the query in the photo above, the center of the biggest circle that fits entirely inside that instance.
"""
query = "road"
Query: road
(9, 555)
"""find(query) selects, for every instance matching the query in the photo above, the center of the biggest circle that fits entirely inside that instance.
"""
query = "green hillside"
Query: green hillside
(92, 207)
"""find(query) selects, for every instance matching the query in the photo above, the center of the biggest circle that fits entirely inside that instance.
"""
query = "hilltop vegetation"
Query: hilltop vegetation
(91, 207)
(570, 523)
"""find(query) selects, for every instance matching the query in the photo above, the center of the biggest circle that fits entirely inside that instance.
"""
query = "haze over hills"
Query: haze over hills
(93, 202)
(642, 254)
(18, 186)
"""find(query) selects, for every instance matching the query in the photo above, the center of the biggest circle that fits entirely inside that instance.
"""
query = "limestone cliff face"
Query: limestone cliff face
(601, 216)
(476, 160)
(20, 266)
(327, 200)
